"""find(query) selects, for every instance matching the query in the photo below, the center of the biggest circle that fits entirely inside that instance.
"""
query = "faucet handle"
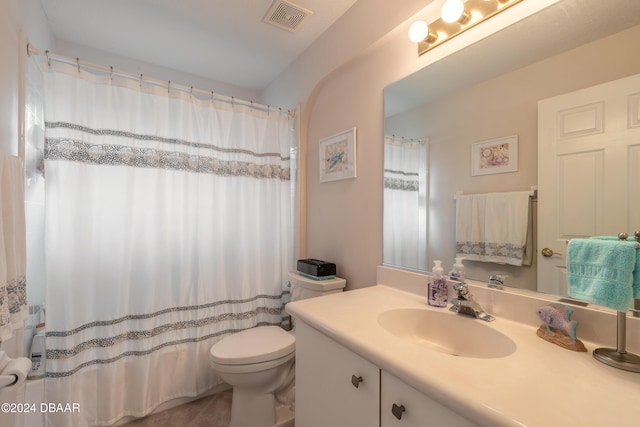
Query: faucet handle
(462, 289)
(497, 280)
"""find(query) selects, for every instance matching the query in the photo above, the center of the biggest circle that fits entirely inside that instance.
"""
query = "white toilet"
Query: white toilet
(259, 363)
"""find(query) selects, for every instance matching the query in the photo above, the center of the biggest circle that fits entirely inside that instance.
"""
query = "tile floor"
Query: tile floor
(210, 411)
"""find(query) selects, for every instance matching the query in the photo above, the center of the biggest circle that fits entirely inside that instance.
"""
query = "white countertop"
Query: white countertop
(539, 385)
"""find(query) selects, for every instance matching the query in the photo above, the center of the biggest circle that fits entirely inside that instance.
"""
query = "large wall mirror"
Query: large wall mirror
(490, 90)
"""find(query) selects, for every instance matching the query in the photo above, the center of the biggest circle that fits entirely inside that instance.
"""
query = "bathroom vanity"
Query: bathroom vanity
(337, 387)
(373, 357)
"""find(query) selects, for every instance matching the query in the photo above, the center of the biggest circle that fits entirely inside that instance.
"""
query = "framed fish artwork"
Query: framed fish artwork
(338, 156)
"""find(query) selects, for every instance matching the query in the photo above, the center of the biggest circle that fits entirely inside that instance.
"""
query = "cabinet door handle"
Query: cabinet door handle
(356, 381)
(397, 411)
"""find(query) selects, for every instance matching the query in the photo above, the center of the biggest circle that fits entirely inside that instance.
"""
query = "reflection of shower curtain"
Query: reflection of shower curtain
(168, 224)
(405, 203)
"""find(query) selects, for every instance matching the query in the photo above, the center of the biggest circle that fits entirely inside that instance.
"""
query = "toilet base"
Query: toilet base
(284, 416)
(250, 409)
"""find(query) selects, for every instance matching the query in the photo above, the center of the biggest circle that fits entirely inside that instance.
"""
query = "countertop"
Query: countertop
(538, 385)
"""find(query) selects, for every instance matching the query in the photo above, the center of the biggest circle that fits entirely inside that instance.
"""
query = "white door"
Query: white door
(588, 171)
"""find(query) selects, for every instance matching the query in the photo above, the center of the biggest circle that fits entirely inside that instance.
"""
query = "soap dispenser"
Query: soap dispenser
(457, 273)
(437, 289)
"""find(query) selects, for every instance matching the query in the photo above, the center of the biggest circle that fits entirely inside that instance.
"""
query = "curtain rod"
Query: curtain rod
(403, 140)
(31, 51)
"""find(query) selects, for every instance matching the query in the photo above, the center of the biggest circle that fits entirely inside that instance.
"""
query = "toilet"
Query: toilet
(259, 363)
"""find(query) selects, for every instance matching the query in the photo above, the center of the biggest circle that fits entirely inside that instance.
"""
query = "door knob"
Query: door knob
(547, 252)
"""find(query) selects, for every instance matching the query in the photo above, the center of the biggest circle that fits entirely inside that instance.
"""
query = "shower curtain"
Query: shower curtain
(405, 202)
(13, 285)
(168, 225)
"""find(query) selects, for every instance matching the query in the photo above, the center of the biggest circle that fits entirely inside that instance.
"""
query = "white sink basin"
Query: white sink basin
(446, 332)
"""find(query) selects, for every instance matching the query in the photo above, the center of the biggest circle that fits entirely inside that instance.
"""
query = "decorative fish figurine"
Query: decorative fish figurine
(557, 316)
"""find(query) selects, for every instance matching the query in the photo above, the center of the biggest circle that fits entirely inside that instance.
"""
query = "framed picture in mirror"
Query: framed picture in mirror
(494, 156)
(338, 156)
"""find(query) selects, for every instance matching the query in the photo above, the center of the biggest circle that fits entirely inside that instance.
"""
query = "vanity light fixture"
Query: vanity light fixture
(456, 16)
(454, 11)
(420, 31)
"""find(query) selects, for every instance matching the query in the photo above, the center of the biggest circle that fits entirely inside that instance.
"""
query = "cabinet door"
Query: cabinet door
(404, 406)
(334, 386)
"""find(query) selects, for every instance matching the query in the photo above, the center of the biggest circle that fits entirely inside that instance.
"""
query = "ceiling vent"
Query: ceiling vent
(286, 15)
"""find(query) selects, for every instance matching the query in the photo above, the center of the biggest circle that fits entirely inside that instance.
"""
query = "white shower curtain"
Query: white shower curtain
(13, 261)
(405, 202)
(168, 225)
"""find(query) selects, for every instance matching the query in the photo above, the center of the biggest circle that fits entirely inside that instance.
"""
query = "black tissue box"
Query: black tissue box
(316, 267)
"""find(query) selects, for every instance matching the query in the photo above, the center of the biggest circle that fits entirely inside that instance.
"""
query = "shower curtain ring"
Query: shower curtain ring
(111, 73)
(78, 63)
(46, 52)
(169, 86)
(140, 79)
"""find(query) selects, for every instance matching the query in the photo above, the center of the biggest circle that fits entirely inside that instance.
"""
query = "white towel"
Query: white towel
(495, 227)
(13, 257)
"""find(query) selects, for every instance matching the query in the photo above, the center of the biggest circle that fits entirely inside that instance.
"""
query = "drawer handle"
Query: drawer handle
(397, 411)
(356, 381)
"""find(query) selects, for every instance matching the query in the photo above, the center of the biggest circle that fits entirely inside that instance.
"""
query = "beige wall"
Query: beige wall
(9, 78)
(503, 106)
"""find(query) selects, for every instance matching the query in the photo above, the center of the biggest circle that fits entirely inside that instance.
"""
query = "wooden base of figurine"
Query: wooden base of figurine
(560, 339)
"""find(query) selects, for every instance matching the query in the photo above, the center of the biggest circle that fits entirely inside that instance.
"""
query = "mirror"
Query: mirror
(490, 90)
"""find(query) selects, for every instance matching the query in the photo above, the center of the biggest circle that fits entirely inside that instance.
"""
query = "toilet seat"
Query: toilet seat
(254, 346)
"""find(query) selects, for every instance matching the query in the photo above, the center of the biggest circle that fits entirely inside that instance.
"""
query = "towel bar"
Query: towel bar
(618, 357)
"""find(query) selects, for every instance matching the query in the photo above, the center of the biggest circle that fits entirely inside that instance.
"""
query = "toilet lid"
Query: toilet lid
(254, 345)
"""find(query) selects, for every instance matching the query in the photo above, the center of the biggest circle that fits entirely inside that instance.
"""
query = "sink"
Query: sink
(447, 332)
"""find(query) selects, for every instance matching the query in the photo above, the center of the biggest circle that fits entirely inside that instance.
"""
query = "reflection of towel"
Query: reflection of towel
(636, 272)
(13, 295)
(495, 227)
(601, 271)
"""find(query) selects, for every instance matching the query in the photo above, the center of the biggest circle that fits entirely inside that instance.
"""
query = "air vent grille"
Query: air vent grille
(286, 15)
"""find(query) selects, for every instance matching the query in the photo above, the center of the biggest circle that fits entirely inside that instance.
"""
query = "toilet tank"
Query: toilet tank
(304, 287)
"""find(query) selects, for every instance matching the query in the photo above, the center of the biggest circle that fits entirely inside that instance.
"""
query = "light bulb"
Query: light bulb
(452, 11)
(418, 31)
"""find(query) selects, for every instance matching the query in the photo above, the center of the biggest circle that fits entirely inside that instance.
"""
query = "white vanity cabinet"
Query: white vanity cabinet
(404, 406)
(334, 386)
(338, 388)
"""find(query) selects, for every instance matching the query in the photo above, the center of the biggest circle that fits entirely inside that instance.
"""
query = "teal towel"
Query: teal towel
(600, 271)
(636, 271)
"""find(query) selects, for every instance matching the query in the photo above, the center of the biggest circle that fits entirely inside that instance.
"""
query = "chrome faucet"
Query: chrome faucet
(465, 304)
